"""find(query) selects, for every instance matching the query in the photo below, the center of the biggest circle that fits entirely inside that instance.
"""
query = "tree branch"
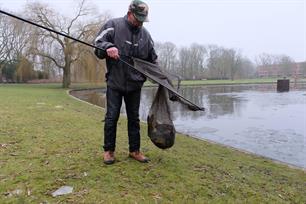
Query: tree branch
(51, 58)
(79, 14)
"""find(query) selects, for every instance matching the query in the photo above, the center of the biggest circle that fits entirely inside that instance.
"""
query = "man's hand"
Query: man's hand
(113, 52)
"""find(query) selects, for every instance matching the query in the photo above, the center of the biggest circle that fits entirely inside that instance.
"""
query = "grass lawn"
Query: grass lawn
(48, 139)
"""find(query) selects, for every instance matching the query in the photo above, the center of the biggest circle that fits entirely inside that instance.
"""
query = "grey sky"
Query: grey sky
(251, 26)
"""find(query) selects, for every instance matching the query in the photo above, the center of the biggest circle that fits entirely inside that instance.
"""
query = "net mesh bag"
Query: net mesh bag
(161, 129)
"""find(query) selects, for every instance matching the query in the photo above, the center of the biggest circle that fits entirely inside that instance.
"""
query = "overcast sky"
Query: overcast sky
(251, 26)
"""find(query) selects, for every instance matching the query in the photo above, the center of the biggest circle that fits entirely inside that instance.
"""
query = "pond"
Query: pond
(254, 118)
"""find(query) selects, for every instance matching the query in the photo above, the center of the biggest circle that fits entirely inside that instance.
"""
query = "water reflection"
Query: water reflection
(251, 117)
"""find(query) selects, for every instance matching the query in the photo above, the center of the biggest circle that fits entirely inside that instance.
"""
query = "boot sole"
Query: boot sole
(141, 161)
(109, 162)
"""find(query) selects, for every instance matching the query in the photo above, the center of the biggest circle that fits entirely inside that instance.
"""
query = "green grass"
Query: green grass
(49, 140)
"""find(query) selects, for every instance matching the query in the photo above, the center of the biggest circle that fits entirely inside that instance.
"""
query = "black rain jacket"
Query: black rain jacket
(131, 42)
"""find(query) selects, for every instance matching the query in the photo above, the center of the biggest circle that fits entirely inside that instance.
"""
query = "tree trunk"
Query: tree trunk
(66, 76)
(0, 72)
(232, 73)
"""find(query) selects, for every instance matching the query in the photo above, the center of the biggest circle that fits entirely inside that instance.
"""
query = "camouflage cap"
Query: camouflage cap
(140, 10)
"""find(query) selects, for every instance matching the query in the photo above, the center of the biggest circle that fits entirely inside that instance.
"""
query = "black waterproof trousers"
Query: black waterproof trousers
(114, 101)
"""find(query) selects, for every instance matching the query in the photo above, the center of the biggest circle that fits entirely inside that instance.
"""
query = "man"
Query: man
(124, 38)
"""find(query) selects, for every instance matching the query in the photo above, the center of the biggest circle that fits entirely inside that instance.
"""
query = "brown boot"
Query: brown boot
(109, 157)
(137, 155)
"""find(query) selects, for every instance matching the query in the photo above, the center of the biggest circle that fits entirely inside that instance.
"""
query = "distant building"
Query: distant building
(278, 70)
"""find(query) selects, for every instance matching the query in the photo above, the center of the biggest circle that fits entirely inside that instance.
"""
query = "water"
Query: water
(254, 118)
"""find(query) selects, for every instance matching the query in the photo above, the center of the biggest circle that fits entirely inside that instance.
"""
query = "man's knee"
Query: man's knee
(111, 120)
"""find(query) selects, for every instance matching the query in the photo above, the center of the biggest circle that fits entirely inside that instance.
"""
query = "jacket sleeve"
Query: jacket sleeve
(152, 53)
(105, 39)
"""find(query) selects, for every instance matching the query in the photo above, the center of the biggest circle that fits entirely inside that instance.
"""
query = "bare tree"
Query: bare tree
(265, 59)
(4, 42)
(234, 61)
(19, 39)
(60, 50)
(246, 69)
(215, 63)
(183, 62)
(13, 37)
(198, 56)
(223, 63)
(286, 64)
(167, 56)
(88, 67)
(18, 45)
(192, 61)
(3, 38)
